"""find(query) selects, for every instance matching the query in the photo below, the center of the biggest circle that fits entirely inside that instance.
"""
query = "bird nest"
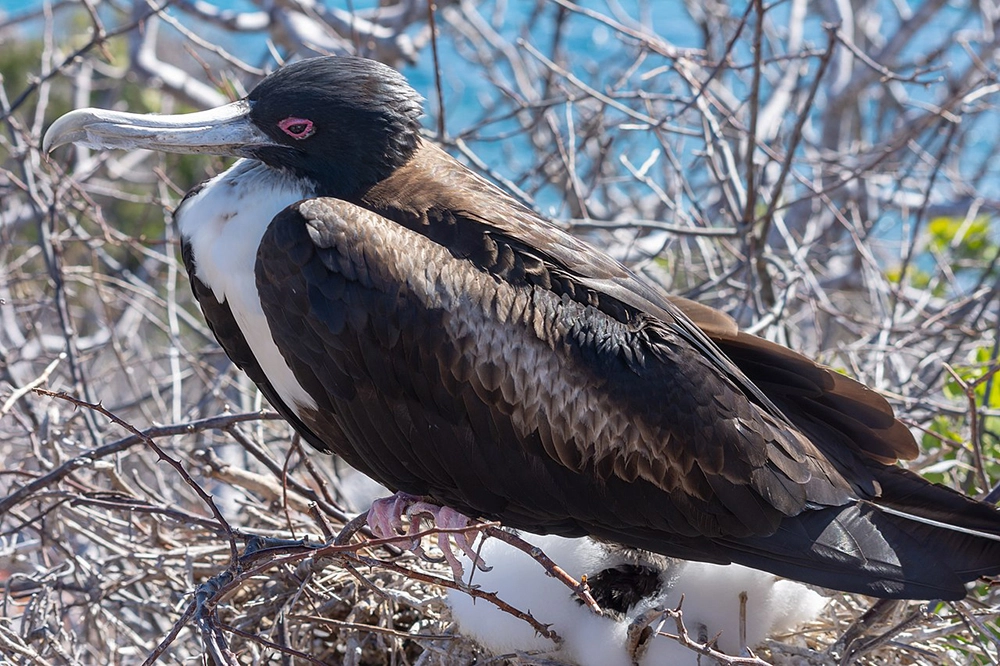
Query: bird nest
(220, 536)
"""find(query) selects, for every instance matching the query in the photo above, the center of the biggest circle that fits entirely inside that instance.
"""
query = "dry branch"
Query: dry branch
(848, 170)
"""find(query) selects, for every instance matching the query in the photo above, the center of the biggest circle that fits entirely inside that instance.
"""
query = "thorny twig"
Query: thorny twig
(161, 454)
(639, 638)
(975, 439)
(89, 457)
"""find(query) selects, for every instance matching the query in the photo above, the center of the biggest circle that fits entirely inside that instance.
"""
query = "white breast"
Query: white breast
(224, 224)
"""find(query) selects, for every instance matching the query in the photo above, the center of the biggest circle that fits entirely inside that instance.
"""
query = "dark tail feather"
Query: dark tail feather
(920, 541)
(965, 530)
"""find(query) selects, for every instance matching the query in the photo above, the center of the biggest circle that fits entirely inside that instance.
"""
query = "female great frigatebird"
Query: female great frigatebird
(413, 318)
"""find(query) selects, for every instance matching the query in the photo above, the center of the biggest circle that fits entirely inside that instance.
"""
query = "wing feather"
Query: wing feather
(575, 392)
(463, 348)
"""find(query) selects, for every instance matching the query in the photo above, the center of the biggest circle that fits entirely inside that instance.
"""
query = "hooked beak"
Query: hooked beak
(226, 131)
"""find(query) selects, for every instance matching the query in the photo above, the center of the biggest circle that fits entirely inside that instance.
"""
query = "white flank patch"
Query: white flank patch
(224, 223)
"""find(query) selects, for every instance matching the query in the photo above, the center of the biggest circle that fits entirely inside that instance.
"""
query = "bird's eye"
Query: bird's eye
(297, 128)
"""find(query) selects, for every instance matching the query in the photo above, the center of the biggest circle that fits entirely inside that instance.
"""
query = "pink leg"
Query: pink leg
(385, 518)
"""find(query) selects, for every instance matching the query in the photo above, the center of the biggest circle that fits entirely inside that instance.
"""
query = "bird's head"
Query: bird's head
(343, 123)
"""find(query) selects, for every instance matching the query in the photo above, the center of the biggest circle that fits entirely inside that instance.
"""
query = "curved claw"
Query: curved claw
(385, 518)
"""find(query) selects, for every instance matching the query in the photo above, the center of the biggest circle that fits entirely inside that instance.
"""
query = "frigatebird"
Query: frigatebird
(408, 315)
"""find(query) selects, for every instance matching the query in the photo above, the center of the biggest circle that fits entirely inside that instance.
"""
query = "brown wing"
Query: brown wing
(432, 363)
(501, 370)
(812, 396)
(813, 393)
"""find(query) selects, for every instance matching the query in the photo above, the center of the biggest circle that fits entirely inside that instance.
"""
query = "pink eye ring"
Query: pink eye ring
(297, 128)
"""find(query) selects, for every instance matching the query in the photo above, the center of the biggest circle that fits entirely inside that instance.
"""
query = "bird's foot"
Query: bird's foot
(385, 518)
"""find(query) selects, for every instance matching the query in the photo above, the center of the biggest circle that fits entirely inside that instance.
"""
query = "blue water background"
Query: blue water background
(598, 57)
